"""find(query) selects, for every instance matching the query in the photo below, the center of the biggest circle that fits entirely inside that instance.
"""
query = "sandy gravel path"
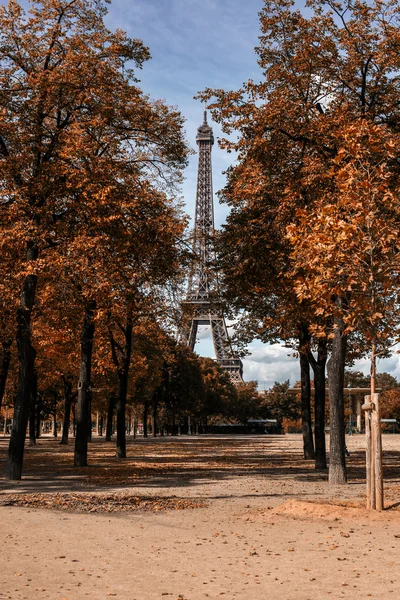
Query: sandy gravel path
(260, 536)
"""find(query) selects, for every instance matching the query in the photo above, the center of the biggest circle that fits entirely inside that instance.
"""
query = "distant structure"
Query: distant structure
(202, 280)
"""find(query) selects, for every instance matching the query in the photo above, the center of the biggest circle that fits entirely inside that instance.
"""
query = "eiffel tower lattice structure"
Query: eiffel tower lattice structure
(202, 279)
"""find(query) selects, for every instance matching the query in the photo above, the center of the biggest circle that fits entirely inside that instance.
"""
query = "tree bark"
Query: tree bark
(55, 424)
(89, 402)
(336, 366)
(32, 413)
(110, 416)
(173, 421)
(145, 418)
(26, 358)
(84, 387)
(67, 409)
(100, 429)
(121, 415)
(306, 425)
(38, 416)
(122, 360)
(155, 406)
(5, 365)
(318, 367)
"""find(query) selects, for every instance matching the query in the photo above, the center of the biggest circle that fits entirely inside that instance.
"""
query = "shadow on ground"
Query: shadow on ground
(177, 462)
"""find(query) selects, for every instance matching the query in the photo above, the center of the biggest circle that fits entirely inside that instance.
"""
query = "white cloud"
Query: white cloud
(270, 363)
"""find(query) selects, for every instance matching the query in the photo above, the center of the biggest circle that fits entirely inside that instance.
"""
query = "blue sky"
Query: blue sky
(197, 44)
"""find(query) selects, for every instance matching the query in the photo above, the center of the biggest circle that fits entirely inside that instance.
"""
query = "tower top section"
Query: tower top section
(205, 132)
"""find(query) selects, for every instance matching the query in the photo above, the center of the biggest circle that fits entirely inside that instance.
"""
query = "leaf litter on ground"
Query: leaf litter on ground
(99, 502)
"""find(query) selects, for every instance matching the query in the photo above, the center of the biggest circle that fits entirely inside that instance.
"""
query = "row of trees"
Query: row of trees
(310, 251)
(168, 384)
(91, 236)
(92, 240)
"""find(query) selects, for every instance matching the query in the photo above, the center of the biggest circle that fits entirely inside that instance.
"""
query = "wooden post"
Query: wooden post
(373, 489)
(368, 454)
(377, 433)
(373, 437)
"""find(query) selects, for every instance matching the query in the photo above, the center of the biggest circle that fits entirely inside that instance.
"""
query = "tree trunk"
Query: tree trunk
(134, 426)
(67, 409)
(122, 359)
(55, 424)
(121, 414)
(155, 406)
(308, 442)
(318, 367)
(5, 365)
(110, 416)
(32, 413)
(123, 377)
(38, 416)
(26, 358)
(89, 431)
(173, 424)
(84, 385)
(336, 366)
(145, 418)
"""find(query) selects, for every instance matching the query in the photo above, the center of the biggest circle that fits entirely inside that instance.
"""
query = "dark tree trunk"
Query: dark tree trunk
(308, 442)
(84, 385)
(110, 416)
(155, 406)
(318, 367)
(336, 366)
(122, 361)
(67, 408)
(26, 358)
(89, 431)
(145, 418)
(121, 415)
(55, 424)
(38, 416)
(5, 365)
(173, 421)
(100, 430)
(32, 425)
(32, 412)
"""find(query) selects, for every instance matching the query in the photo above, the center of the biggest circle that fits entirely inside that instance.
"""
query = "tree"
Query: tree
(73, 123)
(278, 404)
(221, 395)
(329, 92)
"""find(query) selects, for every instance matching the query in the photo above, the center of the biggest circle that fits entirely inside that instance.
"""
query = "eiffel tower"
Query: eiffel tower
(202, 281)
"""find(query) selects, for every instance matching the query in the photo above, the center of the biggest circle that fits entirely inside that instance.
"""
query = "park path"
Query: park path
(257, 537)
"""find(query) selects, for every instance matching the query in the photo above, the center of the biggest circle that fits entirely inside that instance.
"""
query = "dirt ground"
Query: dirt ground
(193, 518)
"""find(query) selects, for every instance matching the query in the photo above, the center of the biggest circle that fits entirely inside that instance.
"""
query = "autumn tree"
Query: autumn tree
(329, 91)
(221, 396)
(72, 115)
(277, 403)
